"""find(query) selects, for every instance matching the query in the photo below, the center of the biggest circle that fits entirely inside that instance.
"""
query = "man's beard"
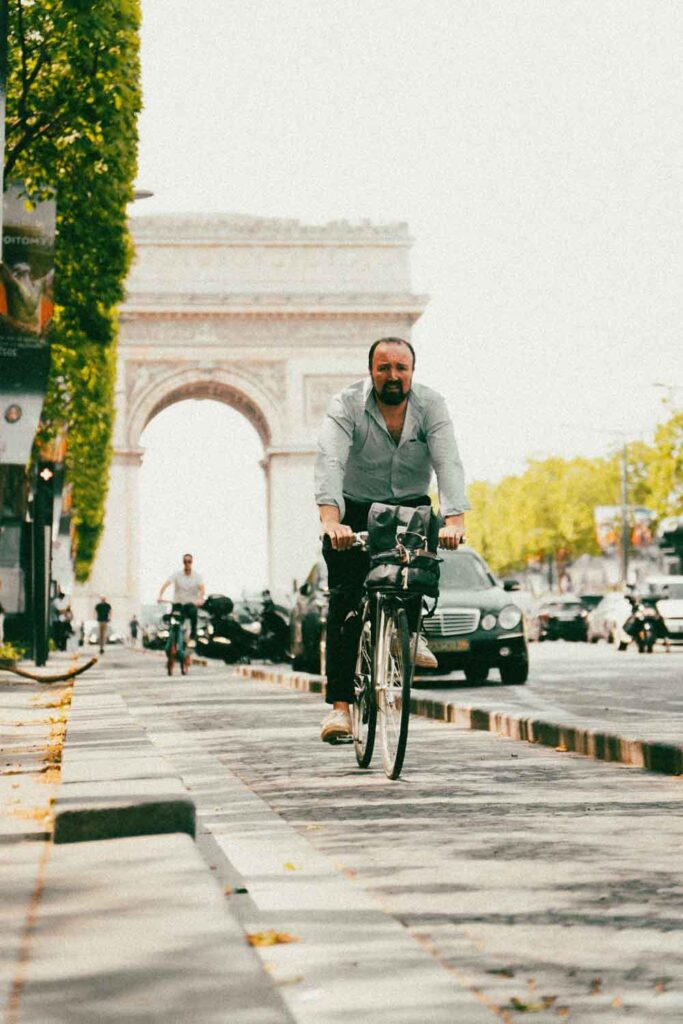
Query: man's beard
(391, 393)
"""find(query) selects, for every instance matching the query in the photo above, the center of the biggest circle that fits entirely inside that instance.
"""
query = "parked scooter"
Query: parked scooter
(273, 639)
(263, 636)
(225, 637)
(643, 625)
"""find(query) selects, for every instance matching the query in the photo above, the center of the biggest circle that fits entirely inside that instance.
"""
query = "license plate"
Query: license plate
(442, 645)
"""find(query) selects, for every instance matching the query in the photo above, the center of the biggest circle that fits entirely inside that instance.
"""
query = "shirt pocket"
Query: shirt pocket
(415, 453)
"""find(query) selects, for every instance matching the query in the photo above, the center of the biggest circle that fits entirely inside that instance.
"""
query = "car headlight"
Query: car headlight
(510, 616)
(488, 621)
(251, 627)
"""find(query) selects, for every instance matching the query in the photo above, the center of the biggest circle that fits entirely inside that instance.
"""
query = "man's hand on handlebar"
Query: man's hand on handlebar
(451, 535)
(341, 536)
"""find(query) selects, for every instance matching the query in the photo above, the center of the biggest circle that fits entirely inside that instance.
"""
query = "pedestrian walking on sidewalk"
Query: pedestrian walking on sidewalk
(380, 441)
(134, 627)
(188, 590)
(103, 615)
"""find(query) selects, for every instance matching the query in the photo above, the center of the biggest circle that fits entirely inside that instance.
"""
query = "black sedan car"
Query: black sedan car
(560, 618)
(477, 625)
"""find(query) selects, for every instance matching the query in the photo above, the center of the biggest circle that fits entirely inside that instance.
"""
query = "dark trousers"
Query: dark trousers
(346, 572)
(189, 611)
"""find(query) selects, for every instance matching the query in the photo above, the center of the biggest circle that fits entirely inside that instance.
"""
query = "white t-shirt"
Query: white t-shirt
(186, 586)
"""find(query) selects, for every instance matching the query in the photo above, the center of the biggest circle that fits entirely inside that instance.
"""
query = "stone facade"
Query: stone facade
(269, 316)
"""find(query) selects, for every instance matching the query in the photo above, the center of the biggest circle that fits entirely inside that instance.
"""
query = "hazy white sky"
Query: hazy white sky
(533, 146)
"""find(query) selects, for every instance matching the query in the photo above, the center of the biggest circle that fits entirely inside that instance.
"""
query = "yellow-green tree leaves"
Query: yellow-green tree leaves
(548, 511)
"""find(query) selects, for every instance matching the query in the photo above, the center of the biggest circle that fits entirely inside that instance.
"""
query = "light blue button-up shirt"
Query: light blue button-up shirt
(358, 457)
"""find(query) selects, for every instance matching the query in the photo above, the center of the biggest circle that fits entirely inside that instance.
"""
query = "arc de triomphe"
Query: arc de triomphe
(269, 316)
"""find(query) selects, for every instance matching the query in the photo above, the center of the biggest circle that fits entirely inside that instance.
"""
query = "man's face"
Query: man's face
(187, 563)
(392, 372)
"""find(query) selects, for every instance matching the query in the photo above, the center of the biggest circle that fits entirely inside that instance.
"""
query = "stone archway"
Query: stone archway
(269, 316)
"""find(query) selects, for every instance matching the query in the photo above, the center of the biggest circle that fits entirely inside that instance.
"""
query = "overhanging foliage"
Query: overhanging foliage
(73, 96)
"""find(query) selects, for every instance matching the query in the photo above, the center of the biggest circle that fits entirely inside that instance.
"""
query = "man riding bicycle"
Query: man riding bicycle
(380, 441)
(188, 590)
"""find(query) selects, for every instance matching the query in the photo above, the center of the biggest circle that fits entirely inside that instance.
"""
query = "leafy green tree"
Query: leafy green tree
(73, 97)
(665, 468)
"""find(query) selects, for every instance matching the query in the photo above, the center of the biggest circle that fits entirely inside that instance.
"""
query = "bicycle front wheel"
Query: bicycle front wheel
(393, 675)
(364, 711)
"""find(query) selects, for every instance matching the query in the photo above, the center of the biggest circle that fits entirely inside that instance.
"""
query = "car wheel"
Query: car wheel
(622, 645)
(514, 673)
(476, 674)
(594, 639)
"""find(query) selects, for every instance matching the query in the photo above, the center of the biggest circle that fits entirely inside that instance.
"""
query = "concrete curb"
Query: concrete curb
(114, 784)
(572, 735)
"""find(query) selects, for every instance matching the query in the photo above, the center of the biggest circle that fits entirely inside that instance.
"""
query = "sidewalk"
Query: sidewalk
(645, 736)
(137, 861)
(131, 927)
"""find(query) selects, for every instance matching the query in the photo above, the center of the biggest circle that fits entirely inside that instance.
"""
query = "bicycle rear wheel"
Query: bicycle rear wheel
(364, 710)
(393, 675)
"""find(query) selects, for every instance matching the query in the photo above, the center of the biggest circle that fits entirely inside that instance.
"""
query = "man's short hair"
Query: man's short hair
(188, 554)
(389, 341)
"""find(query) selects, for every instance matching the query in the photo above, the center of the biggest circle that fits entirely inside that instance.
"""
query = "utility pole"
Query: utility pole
(624, 515)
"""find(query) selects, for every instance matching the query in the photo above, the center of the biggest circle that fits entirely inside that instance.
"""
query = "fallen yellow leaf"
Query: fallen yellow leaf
(270, 938)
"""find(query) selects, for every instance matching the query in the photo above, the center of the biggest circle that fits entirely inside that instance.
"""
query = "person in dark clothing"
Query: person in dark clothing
(103, 615)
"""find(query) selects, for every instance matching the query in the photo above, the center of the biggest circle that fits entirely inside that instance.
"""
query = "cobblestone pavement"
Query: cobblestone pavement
(547, 884)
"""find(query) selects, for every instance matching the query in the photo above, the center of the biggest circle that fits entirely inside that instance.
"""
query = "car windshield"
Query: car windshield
(463, 571)
(565, 606)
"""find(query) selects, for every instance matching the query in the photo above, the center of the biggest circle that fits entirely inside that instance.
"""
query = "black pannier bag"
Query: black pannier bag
(402, 543)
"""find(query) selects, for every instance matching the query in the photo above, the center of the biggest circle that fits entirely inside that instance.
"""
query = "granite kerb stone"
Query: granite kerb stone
(115, 783)
(590, 738)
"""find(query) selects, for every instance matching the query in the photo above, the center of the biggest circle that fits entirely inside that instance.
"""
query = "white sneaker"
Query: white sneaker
(423, 656)
(336, 727)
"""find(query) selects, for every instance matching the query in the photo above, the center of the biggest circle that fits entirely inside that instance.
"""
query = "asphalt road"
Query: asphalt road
(623, 689)
(548, 885)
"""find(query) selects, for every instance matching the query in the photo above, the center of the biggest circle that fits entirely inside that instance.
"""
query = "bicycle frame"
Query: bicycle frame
(389, 653)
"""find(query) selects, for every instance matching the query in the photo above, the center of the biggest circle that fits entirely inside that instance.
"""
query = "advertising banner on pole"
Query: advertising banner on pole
(26, 305)
(608, 526)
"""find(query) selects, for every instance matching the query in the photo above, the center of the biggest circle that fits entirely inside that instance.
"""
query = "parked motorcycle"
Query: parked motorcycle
(257, 630)
(273, 639)
(224, 637)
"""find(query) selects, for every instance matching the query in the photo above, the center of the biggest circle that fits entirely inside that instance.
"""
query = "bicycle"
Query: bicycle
(384, 671)
(177, 649)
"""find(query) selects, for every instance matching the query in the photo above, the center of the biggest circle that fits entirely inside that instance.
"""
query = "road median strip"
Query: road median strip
(573, 736)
